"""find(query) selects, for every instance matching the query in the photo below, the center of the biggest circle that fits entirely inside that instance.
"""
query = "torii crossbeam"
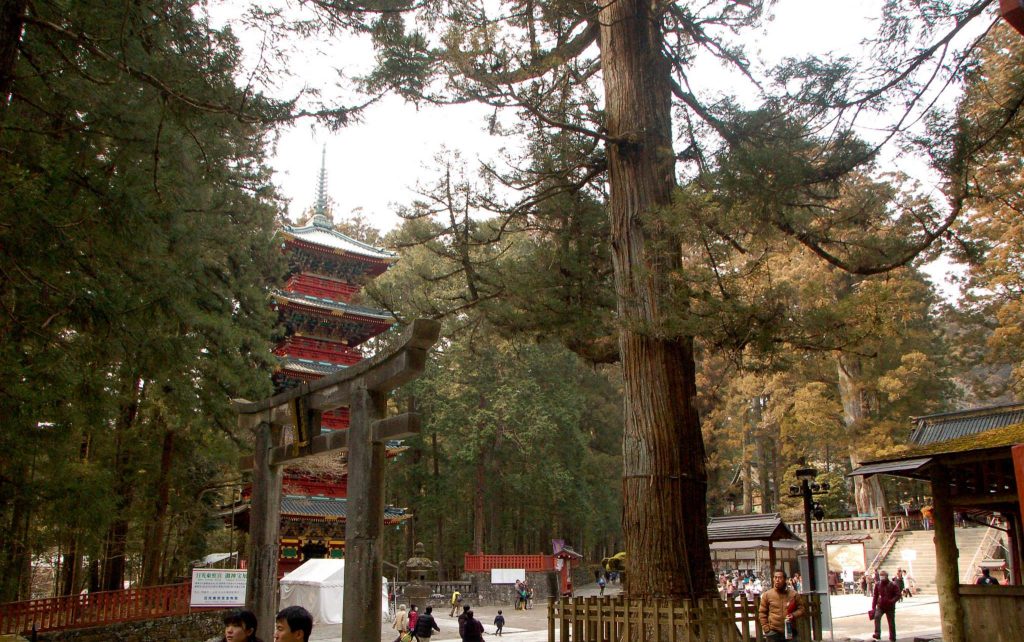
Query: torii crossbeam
(363, 388)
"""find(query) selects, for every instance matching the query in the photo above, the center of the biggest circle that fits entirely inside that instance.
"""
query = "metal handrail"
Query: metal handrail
(886, 547)
(970, 574)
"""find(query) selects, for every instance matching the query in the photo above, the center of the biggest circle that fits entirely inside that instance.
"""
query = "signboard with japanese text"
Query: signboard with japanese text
(217, 587)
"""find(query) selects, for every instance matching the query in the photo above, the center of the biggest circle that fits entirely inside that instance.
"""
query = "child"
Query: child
(499, 622)
(294, 624)
(240, 626)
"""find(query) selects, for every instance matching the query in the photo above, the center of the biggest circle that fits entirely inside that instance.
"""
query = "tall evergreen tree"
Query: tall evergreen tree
(136, 230)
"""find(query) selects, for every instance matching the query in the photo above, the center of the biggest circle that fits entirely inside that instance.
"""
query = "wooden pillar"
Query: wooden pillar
(771, 557)
(947, 570)
(1017, 521)
(265, 522)
(1013, 12)
(361, 611)
(1013, 535)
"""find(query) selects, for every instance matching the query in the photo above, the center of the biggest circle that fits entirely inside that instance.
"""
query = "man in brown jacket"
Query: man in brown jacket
(779, 604)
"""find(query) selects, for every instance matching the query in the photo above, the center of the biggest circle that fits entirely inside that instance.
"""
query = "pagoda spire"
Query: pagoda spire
(322, 216)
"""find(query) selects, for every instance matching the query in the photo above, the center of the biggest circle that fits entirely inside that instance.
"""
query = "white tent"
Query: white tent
(319, 586)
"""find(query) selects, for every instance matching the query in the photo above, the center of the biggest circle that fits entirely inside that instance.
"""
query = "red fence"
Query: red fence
(481, 563)
(94, 609)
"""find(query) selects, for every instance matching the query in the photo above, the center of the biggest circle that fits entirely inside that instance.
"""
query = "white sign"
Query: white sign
(507, 575)
(909, 555)
(217, 587)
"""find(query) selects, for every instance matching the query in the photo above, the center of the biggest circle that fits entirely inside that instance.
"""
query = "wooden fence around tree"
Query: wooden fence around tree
(614, 619)
(94, 609)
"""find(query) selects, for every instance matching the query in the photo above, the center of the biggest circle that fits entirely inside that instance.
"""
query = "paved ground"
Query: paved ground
(916, 618)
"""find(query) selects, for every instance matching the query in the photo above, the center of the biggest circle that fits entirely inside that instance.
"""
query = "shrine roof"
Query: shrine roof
(320, 233)
(329, 306)
(307, 506)
(748, 527)
(745, 544)
(929, 429)
(971, 442)
(308, 366)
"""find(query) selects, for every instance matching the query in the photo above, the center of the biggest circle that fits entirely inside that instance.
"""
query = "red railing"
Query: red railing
(321, 287)
(316, 350)
(481, 563)
(94, 609)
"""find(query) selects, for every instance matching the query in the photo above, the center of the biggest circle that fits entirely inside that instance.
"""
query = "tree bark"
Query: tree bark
(69, 569)
(12, 21)
(116, 546)
(438, 516)
(16, 551)
(478, 506)
(868, 493)
(764, 475)
(748, 494)
(664, 476)
(152, 548)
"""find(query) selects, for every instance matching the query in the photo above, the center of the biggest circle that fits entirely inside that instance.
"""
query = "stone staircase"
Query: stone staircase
(968, 540)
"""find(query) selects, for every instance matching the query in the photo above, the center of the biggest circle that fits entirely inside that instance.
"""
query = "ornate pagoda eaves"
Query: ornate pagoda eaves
(334, 240)
(308, 366)
(330, 306)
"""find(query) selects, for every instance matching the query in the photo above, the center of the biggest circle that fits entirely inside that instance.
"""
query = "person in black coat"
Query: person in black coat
(474, 631)
(425, 625)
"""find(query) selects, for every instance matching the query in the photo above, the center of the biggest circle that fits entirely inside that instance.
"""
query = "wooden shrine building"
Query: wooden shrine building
(324, 330)
(759, 543)
(974, 460)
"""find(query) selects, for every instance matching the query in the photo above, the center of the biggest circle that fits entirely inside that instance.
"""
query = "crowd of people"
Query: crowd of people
(736, 583)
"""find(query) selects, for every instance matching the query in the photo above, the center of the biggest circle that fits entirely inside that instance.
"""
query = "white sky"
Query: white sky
(373, 165)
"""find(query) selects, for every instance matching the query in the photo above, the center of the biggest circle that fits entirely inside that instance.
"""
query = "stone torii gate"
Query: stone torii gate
(363, 388)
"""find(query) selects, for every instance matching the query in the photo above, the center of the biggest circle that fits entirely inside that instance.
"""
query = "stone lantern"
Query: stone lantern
(419, 571)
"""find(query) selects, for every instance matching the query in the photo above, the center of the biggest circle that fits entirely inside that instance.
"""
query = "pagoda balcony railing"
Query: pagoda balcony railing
(317, 350)
(321, 287)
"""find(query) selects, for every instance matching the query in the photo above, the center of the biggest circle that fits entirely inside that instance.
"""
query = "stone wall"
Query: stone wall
(194, 627)
(544, 585)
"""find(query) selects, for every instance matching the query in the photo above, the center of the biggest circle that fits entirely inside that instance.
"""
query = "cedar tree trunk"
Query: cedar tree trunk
(868, 493)
(664, 485)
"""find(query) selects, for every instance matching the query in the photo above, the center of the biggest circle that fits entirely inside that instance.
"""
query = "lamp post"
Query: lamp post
(807, 489)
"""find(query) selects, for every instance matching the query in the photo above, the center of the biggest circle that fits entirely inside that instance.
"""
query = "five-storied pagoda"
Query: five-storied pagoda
(323, 332)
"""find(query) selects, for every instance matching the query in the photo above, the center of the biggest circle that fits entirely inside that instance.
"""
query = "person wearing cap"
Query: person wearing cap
(883, 602)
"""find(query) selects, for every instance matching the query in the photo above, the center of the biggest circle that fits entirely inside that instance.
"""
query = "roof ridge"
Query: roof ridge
(967, 412)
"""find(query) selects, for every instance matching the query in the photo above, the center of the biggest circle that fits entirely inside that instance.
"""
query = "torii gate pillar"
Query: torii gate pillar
(364, 523)
(363, 387)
